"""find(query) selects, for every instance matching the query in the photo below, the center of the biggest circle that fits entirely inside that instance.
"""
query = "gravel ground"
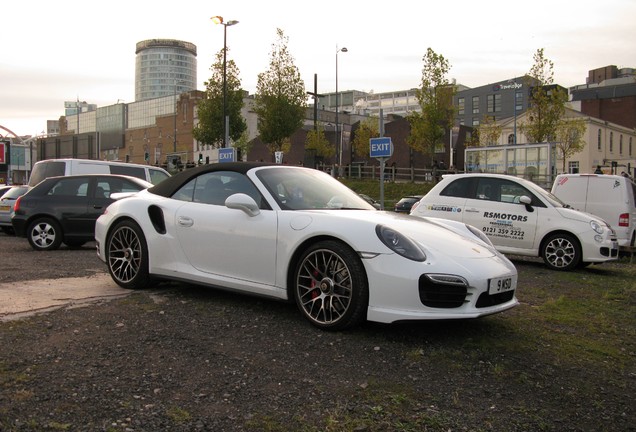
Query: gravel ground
(185, 358)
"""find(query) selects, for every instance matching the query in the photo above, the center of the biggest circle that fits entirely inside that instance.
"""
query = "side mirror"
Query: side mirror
(243, 202)
(527, 201)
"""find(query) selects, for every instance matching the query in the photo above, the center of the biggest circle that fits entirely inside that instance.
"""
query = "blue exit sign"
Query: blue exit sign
(381, 147)
(226, 154)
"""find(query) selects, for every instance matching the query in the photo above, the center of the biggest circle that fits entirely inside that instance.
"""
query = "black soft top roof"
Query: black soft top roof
(170, 185)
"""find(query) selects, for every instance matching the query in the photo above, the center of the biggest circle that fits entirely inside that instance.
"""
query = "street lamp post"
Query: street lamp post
(338, 138)
(226, 120)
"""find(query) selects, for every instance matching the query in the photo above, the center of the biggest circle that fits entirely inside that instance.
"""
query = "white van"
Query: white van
(611, 197)
(61, 167)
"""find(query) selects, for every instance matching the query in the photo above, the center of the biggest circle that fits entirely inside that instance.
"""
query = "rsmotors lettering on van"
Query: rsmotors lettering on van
(505, 216)
(443, 208)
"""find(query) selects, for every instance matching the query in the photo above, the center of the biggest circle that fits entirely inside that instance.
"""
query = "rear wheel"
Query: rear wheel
(127, 256)
(330, 286)
(44, 234)
(561, 251)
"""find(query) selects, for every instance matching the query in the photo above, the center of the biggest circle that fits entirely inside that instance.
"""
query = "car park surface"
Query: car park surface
(306, 238)
(521, 218)
(64, 209)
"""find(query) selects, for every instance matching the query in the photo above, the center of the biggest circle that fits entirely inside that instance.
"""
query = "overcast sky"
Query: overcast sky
(56, 51)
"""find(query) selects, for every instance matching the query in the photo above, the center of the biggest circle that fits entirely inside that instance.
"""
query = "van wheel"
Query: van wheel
(561, 251)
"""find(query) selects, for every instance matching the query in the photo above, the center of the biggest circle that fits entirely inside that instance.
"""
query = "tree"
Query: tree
(280, 100)
(368, 129)
(317, 141)
(570, 133)
(242, 145)
(211, 127)
(488, 132)
(435, 98)
(548, 101)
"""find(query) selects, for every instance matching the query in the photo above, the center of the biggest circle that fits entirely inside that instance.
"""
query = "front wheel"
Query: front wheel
(44, 234)
(330, 286)
(127, 256)
(561, 252)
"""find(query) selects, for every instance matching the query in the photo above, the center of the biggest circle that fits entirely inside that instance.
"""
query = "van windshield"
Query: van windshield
(45, 169)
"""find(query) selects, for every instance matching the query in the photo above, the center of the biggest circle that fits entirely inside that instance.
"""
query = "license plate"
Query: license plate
(5, 208)
(503, 284)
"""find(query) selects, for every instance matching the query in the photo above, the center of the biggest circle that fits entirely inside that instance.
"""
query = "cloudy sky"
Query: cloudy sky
(55, 51)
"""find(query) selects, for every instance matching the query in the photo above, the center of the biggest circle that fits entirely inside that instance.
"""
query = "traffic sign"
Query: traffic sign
(226, 154)
(381, 147)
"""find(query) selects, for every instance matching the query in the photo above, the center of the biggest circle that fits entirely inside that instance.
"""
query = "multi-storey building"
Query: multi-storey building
(164, 67)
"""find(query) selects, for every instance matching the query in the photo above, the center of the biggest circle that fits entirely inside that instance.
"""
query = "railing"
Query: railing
(408, 174)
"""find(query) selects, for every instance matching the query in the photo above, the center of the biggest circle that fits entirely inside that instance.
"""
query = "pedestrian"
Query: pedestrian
(598, 170)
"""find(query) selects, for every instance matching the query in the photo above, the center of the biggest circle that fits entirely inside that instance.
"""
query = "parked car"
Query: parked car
(405, 204)
(64, 209)
(298, 234)
(7, 202)
(610, 197)
(371, 201)
(66, 167)
(4, 189)
(521, 218)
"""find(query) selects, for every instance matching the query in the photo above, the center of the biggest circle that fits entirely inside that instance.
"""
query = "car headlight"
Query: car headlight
(399, 243)
(480, 235)
(597, 226)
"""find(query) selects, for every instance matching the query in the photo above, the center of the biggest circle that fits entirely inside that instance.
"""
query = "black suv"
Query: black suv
(64, 209)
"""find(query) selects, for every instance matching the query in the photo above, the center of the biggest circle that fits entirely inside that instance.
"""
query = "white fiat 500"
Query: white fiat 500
(298, 234)
(521, 218)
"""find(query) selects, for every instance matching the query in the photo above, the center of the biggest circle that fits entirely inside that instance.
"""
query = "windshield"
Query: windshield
(556, 202)
(305, 189)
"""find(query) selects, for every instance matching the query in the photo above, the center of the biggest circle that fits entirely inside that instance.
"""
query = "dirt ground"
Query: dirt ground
(186, 358)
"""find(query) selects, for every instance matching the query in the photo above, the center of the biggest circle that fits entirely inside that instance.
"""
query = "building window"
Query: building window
(494, 102)
(598, 140)
(573, 167)
(511, 139)
(461, 104)
(630, 146)
(475, 121)
(476, 105)
(518, 101)
(620, 145)
(611, 144)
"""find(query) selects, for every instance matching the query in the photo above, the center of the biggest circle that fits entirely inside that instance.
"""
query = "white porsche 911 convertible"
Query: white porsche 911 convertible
(298, 234)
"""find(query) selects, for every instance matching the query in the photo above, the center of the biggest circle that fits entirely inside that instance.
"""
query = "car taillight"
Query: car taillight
(623, 220)
(16, 206)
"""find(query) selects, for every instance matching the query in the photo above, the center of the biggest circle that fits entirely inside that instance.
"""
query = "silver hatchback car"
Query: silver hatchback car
(6, 206)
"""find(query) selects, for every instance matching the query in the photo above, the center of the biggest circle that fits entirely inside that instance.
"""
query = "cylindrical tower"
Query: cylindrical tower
(164, 67)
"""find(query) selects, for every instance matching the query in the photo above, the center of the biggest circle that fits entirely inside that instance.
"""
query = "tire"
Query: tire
(561, 251)
(127, 256)
(44, 234)
(331, 287)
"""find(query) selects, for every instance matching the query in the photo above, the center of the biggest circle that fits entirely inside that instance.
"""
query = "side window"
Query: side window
(460, 188)
(70, 187)
(215, 187)
(488, 189)
(129, 171)
(186, 192)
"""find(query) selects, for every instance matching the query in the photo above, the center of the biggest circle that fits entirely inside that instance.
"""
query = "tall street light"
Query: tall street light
(226, 120)
(338, 138)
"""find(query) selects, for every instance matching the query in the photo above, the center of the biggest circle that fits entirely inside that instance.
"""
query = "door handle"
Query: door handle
(471, 210)
(185, 221)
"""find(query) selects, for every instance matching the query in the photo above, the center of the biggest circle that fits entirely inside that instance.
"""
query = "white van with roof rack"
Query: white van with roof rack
(64, 167)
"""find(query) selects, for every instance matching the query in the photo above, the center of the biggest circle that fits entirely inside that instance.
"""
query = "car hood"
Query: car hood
(447, 237)
(576, 215)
